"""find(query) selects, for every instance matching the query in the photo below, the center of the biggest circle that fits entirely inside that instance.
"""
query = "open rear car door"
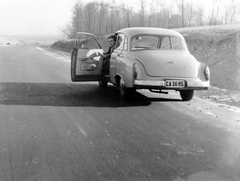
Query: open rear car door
(84, 65)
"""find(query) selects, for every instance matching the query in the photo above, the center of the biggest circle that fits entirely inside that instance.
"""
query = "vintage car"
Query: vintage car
(144, 58)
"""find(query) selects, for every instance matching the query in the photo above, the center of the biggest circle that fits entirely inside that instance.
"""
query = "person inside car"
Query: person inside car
(106, 55)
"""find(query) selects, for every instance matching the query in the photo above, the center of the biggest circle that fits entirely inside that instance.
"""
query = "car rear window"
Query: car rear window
(146, 42)
(165, 43)
(176, 43)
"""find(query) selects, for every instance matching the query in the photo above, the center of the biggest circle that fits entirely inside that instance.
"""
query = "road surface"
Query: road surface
(54, 130)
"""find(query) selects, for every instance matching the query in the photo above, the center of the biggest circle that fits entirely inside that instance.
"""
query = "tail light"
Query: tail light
(207, 73)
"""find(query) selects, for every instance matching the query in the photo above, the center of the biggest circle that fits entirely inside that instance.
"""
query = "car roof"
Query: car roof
(149, 30)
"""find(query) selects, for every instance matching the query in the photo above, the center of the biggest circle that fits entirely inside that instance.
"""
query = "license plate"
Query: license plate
(175, 83)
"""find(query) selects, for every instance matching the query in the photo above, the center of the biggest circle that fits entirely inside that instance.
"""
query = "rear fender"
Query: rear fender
(125, 71)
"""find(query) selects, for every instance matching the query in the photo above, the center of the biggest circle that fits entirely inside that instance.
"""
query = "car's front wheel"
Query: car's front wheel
(186, 95)
(123, 90)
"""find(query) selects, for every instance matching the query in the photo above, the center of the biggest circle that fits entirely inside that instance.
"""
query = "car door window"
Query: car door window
(121, 43)
(165, 43)
(125, 45)
(85, 41)
(176, 43)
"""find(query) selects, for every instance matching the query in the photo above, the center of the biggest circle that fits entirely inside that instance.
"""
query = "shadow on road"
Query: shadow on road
(68, 95)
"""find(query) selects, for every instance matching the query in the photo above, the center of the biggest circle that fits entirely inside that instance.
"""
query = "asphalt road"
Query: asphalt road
(54, 130)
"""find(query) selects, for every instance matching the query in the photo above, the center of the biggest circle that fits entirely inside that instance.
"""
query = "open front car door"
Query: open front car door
(85, 64)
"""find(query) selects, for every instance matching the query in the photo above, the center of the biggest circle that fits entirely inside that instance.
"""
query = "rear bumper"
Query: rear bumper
(161, 84)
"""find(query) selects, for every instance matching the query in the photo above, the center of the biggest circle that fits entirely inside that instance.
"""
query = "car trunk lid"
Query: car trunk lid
(168, 63)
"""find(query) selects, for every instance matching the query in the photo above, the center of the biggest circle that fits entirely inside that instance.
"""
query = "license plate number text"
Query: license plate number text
(175, 83)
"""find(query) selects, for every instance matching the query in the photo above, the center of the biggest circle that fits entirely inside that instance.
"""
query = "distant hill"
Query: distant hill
(39, 38)
(28, 39)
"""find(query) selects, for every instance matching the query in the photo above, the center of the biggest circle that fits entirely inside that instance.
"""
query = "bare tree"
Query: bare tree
(158, 13)
(66, 30)
(214, 19)
(112, 15)
(181, 9)
(151, 12)
(199, 16)
(119, 18)
(161, 15)
(190, 13)
(182, 13)
(103, 13)
(233, 7)
(142, 13)
(104, 18)
(89, 16)
(127, 15)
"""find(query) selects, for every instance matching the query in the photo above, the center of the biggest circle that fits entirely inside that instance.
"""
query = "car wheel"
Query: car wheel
(186, 95)
(122, 89)
(103, 83)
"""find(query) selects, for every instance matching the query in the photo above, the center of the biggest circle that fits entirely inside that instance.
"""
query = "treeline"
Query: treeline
(102, 18)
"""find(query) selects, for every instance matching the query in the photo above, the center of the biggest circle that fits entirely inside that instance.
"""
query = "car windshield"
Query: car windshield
(153, 42)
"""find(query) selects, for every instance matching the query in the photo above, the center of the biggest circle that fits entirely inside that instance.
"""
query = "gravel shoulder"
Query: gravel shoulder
(222, 96)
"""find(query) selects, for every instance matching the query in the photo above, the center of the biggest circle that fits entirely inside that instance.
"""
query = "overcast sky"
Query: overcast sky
(33, 16)
(43, 16)
(36, 16)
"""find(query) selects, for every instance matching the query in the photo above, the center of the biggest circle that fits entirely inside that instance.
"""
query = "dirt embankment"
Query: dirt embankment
(221, 52)
(219, 48)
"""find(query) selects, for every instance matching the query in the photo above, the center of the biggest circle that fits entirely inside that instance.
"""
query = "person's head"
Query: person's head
(112, 40)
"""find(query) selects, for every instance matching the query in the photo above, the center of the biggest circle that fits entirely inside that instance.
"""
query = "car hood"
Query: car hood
(168, 63)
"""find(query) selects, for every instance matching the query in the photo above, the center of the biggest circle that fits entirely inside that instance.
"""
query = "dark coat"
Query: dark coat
(108, 53)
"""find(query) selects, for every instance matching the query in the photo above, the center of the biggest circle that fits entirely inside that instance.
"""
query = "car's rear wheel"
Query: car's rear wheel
(103, 83)
(186, 95)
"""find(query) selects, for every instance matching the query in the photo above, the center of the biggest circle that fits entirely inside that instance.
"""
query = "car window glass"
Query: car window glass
(177, 43)
(85, 41)
(144, 42)
(125, 43)
(120, 42)
(165, 43)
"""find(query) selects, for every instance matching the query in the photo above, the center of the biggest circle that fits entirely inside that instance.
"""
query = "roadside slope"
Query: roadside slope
(221, 52)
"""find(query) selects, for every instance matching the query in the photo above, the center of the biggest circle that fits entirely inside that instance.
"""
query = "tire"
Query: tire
(122, 89)
(186, 95)
(72, 66)
(103, 83)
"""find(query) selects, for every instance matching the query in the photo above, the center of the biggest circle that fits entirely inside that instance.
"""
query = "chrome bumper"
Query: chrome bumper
(148, 83)
(191, 84)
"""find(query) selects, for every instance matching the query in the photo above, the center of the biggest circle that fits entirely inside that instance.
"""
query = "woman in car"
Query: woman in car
(106, 55)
